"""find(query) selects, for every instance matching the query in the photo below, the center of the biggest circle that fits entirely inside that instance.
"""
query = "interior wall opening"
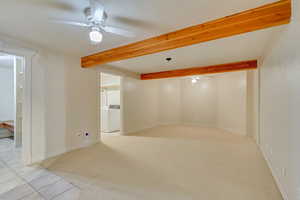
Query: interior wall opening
(110, 104)
(12, 79)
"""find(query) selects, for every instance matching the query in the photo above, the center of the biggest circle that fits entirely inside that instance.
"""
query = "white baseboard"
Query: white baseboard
(280, 185)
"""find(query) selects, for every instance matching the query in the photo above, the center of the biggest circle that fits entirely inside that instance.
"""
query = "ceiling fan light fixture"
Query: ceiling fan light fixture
(96, 36)
(96, 23)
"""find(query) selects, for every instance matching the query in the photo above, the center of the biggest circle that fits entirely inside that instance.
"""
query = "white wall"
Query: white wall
(198, 102)
(140, 104)
(169, 101)
(181, 102)
(64, 100)
(55, 107)
(231, 102)
(82, 101)
(178, 101)
(280, 97)
(7, 92)
(216, 101)
(64, 104)
(253, 104)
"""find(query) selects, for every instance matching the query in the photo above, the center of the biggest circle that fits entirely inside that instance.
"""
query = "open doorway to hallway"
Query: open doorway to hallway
(12, 122)
(11, 87)
(110, 111)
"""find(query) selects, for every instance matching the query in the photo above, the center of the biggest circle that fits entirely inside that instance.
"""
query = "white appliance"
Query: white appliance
(110, 119)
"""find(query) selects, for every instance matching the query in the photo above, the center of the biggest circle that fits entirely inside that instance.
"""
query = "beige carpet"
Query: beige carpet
(170, 162)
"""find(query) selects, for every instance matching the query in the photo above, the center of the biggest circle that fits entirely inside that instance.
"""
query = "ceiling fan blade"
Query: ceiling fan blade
(118, 31)
(97, 10)
(66, 6)
(74, 23)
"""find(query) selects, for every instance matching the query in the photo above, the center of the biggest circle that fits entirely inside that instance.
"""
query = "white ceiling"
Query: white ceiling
(28, 20)
(233, 49)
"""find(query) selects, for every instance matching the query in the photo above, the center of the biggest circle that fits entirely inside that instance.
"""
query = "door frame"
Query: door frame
(10, 47)
(18, 73)
(99, 101)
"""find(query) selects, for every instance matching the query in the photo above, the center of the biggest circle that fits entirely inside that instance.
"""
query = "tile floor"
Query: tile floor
(19, 182)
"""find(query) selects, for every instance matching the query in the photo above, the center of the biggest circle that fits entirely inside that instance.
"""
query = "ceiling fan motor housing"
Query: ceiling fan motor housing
(90, 17)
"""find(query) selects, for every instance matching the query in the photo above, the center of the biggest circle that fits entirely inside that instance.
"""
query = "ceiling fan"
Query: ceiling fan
(96, 22)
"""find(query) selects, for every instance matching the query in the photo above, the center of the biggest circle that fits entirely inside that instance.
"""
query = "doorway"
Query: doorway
(12, 78)
(110, 104)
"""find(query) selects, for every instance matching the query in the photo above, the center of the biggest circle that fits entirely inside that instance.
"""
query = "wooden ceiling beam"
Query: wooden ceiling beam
(230, 67)
(266, 16)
